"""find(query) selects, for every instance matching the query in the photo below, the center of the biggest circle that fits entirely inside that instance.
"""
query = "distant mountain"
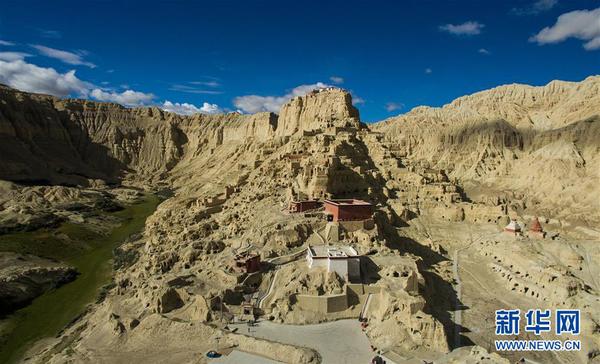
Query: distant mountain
(540, 144)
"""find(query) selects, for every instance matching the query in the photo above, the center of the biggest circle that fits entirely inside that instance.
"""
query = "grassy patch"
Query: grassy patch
(89, 252)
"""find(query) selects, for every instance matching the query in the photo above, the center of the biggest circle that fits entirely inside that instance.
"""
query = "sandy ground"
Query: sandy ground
(242, 357)
(483, 293)
(337, 342)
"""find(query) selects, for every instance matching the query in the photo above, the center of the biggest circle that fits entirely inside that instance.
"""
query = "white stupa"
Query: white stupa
(513, 228)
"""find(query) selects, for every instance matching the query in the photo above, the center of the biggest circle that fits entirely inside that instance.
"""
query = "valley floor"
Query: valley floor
(481, 289)
(337, 342)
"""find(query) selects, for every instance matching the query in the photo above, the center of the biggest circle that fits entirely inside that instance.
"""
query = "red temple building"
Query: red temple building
(348, 210)
(249, 263)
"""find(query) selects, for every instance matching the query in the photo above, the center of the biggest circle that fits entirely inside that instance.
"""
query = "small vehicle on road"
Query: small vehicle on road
(213, 354)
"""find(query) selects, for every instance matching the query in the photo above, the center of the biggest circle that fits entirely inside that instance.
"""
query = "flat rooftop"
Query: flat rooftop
(348, 202)
(330, 251)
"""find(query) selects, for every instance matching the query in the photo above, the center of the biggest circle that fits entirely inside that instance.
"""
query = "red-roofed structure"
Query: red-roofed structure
(349, 209)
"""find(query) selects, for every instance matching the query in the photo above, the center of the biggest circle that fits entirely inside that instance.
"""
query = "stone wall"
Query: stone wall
(323, 304)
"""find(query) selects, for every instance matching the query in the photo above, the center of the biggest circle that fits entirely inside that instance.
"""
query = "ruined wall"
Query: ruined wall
(323, 304)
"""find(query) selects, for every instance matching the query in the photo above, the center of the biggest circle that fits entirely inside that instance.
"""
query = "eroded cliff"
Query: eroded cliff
(538, 145)
(512, 151)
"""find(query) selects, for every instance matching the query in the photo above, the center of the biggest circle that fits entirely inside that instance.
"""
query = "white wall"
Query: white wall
(319, 263)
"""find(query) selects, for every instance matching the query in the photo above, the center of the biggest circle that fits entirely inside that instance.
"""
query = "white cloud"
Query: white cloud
(255, 103)
(127, 97)
(466, 28)
(48, 33)
(31, 78)
(543, 5)
(357, 100)
(190, 109)
(484, 51)
(13, 56)
(181, 109)
(64, 56)
(6, 43)
(336, 80)
(194, 89)
(393, 106)
(536, 8)
(592, 44)
(580, 24)
(212, 83)
(210, 108)
(428, 71)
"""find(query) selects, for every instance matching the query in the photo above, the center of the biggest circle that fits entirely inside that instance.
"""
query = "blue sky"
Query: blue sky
(251, 55)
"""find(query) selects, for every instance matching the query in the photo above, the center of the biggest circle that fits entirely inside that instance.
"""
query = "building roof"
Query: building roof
(348, 202)
(330, 251)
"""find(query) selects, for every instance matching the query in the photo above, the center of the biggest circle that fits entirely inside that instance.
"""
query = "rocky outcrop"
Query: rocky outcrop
(534, 142)
(23, 278)
(398, 308)
(552, 106)
(47, 140)
(169, 300)
(44, 139)
(318, 110)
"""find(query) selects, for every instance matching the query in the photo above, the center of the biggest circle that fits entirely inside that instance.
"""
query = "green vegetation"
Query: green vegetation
(89, 252)
(47, 243)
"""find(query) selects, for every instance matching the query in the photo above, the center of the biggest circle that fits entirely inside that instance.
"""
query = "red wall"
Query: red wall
(332, 210)
(349, 212)
(253, 264)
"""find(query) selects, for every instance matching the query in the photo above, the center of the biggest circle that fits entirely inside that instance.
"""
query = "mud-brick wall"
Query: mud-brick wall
(323, 304)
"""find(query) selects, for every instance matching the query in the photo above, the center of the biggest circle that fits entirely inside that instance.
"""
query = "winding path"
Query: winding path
(261, 299)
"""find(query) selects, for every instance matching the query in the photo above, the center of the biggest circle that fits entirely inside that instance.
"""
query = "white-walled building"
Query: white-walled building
(343, 260)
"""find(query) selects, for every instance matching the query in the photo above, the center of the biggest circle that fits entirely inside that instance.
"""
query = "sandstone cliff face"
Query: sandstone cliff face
(48, 140)
(537, 143)
(555, 105)
(71, 141)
